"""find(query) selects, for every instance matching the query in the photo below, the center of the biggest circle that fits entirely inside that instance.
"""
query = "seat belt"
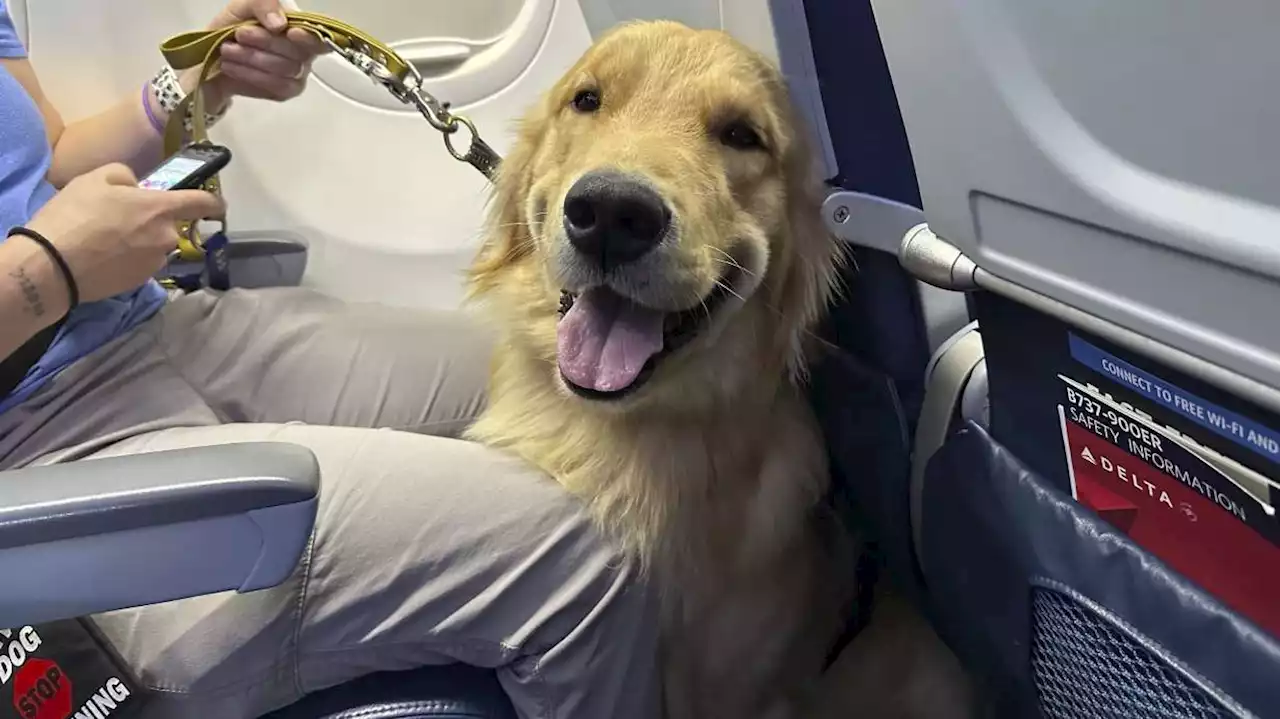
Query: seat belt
(202, 48)
(948, 374)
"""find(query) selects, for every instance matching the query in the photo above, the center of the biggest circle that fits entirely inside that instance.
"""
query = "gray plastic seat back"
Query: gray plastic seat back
(1104, 175)
(1117, 157)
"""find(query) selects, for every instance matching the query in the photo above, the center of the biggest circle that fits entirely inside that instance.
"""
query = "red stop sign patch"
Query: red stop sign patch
(41, 690)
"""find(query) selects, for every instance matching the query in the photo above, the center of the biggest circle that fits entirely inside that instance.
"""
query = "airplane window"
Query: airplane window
(471, 20)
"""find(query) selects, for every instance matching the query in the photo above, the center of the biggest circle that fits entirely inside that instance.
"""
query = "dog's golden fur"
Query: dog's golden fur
(713, 473)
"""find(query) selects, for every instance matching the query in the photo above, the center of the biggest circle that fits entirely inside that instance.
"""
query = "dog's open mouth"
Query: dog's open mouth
(608, 345)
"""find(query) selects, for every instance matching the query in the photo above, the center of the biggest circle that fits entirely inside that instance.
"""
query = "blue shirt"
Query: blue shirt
(24, 162)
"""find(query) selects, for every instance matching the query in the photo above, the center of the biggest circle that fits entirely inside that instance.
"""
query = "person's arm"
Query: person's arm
(32, 293)
(262, 63)
(112, 236)
(122, 133)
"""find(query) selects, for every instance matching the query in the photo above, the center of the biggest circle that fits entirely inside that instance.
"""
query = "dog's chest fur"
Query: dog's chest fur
(720, 509)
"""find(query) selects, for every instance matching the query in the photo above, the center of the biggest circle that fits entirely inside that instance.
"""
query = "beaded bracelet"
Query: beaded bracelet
(169, 94)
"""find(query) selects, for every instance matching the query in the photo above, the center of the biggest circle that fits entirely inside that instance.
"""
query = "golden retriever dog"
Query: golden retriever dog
(656, 263)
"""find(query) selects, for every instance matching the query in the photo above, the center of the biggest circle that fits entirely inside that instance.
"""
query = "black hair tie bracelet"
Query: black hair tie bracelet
(73, 290)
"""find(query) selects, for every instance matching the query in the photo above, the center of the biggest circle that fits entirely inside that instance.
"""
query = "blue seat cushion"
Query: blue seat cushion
(453, 691)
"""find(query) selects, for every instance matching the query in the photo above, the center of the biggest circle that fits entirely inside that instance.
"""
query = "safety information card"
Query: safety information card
(1202, 512)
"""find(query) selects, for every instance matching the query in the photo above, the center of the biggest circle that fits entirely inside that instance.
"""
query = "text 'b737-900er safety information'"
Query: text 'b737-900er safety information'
(1141, 477)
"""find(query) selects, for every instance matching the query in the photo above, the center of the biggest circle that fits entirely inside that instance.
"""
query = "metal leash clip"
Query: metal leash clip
(211, 250)
(410, 91)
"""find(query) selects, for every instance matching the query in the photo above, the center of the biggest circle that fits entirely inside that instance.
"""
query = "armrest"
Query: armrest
(102, 534)
(256, 259)
(882, 224)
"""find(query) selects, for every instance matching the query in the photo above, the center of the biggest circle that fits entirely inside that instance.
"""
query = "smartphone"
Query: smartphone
(188, 168)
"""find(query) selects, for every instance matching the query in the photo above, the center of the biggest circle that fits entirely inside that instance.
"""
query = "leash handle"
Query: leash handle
(368, 54)
(379, 62)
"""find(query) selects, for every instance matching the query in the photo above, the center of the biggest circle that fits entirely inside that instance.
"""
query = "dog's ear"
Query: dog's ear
(507, 235)
(812, 271)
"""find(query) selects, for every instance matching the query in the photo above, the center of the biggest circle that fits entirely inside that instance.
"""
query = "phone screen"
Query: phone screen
(171, 173)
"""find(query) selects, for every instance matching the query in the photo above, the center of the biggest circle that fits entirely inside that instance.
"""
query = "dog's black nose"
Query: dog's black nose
(614, 218)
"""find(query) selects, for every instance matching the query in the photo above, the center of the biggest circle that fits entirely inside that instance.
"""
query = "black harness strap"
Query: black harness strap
(14, 368)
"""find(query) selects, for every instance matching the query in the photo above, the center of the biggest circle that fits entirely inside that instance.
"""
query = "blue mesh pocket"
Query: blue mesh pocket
(1085, 667)
(1062, 616)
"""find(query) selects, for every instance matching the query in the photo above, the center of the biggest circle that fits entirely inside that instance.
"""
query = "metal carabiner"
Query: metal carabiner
(410, 91)
(436, 112)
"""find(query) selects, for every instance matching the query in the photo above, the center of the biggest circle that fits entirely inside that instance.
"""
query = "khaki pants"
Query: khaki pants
(427, 549)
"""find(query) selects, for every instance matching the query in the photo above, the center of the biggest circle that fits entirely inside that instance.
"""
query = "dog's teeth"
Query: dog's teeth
(566, 302)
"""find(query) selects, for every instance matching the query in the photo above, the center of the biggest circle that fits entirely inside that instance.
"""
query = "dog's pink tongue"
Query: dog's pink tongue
(604, 340)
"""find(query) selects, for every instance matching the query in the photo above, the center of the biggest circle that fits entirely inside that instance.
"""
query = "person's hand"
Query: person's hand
(267, 62)
(113, 234)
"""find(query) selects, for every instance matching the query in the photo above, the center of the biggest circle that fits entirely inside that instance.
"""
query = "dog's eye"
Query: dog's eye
(741, 136)
(586, 101)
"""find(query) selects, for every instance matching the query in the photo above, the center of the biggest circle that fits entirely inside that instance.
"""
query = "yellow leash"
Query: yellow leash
(382, 64)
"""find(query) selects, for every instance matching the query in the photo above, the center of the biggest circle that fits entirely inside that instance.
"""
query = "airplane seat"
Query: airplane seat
(1092, 502)
(869, 391)
(102, 534)
(124, 527)
(451, 691)
(1035, 593)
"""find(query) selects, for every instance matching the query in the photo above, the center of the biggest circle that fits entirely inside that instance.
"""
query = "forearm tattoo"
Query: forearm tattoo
(30, 292)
